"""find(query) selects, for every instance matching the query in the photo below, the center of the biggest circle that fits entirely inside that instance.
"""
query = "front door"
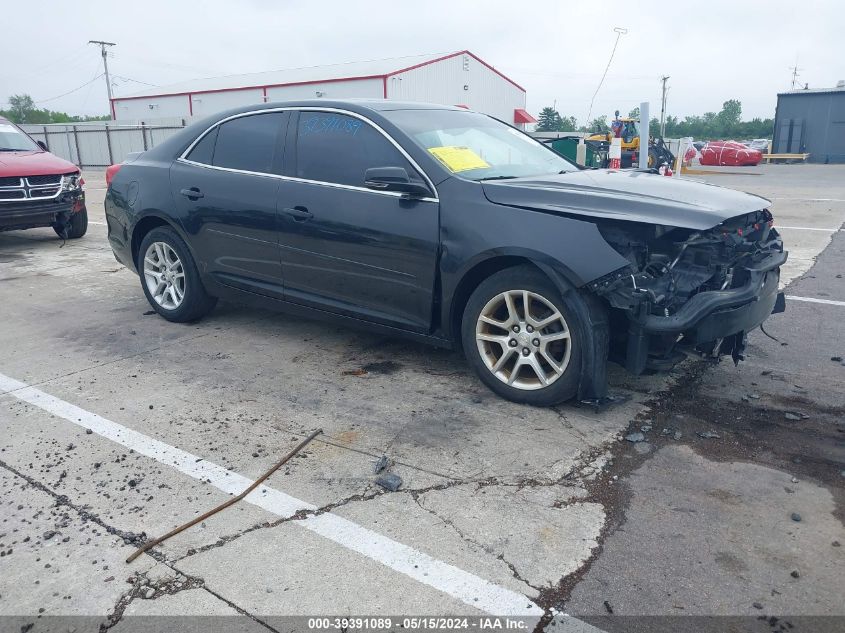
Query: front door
(346, 248)
(227, 189)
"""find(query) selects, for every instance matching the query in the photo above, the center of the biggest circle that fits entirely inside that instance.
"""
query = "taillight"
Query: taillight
(111, 172)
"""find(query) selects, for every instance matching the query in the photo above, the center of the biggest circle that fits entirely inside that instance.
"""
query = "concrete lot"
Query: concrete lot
(115, 425)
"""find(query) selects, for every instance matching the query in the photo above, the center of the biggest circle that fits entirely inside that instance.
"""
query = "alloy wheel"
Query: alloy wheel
(164, 275)
(523, 339)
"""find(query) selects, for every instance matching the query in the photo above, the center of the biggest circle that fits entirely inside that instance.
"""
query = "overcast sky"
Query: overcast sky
(557, 50)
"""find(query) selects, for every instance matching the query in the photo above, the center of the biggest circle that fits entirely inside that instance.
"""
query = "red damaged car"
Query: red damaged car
(729, 153)
(38, 188)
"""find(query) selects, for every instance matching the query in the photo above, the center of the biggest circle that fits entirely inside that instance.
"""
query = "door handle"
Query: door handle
(300, 214)
(193, 193)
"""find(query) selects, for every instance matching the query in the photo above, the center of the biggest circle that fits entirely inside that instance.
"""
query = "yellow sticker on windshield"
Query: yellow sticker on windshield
(458, 158)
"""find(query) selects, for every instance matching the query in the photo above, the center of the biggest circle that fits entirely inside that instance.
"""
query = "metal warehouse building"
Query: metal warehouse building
(459, 78)
(812, 121)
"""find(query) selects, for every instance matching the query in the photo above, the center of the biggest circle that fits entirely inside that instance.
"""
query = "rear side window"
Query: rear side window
(248, 143)
(338, 148)
(204, 150)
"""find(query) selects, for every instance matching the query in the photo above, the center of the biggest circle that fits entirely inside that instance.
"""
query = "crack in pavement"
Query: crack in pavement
(129, 538)
(141, 585)
(584, 461)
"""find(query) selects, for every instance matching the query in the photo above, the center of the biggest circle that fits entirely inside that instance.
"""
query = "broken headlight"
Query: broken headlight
(72, 182)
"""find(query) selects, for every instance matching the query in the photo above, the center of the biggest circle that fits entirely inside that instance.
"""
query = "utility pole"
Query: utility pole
(663, 107)
(104, 53)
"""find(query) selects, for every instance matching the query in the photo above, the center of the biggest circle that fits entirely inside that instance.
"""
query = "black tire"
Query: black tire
(565, 385)
(77, 227)
(196, 302)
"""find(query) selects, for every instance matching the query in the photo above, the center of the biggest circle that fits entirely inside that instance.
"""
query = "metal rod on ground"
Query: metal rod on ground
(225, 504)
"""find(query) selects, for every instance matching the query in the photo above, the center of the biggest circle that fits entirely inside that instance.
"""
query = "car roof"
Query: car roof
(366, 107)
(355, 105)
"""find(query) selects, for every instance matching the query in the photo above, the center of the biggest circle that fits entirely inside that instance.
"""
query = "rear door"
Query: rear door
(226, 187)
(346, 248)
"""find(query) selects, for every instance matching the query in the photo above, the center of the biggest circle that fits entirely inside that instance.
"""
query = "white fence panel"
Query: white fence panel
(99, 144)
(93, 148)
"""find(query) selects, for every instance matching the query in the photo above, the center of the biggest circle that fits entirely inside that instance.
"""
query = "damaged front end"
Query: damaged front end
(690, 292)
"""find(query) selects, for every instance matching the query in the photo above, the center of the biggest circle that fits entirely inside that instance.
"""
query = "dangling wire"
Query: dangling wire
(620, 31)
(762, 329)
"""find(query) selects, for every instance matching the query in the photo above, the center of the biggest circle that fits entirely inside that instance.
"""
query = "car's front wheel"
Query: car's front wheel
(522, 337)
(170, 279)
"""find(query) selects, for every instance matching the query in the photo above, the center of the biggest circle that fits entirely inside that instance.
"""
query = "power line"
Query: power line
(70, 91)
(620, 31)
(136, 81)
(64, 61)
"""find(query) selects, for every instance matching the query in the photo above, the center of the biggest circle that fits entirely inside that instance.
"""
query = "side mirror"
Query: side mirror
(42, 145)
(394, 179)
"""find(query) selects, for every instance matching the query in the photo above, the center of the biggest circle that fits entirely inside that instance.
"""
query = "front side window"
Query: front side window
(247, 143)
(337, 148)
(13, 140)
(478, 147)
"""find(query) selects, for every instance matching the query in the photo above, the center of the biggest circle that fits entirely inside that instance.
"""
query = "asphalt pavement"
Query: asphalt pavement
(116, 426)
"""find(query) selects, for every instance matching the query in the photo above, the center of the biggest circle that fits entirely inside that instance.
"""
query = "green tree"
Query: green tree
(549, 120)
(731, 113)
(20, 107)
(568, 124)
(22, 110)
(634, 113)
(599, 125)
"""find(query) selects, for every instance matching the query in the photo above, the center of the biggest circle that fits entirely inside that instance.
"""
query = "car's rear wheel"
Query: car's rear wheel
(170, 279)
(77, 226)
(522, 337)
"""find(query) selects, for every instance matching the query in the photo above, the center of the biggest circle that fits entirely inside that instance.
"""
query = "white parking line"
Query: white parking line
(93, 222)
(466, 587)
(812, 199)
(814, 300)
(806, 228)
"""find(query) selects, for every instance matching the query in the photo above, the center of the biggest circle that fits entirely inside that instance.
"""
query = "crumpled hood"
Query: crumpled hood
(33, 163)
(629, 195)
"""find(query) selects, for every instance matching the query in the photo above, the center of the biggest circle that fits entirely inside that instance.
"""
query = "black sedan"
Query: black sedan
(450, 227)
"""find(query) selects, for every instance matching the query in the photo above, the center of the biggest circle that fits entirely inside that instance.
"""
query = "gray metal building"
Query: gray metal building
(811, 121)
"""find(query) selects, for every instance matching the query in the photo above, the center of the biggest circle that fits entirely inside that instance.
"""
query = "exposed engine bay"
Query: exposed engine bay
(656, 319)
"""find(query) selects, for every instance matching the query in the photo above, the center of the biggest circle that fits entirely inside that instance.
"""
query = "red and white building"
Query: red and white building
(459, 78)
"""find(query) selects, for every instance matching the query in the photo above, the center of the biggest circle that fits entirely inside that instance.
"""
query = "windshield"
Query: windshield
(11, 138)
(477, 147)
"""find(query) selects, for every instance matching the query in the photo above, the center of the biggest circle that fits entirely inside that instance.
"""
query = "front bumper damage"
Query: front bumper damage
(721, 318)
(28, 214)
(692, 293)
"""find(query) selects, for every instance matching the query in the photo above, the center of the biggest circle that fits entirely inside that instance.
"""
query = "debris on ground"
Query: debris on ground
(635, 437)
(791, 416)
(795, 517)
(354, 372)
(381, 464)
(642, 448)
(708, 435)
(390, 482)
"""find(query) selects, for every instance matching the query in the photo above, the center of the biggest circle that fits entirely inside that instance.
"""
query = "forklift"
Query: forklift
(627, 129)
